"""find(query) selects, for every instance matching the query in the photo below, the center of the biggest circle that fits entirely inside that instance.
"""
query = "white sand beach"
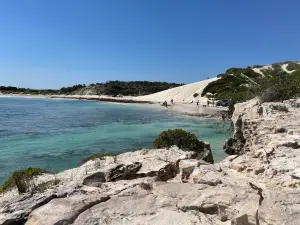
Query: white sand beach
(194, 110)
(183, 98)
(180, 94)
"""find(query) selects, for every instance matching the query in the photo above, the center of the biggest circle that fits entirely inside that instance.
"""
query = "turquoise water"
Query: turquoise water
(55, 134)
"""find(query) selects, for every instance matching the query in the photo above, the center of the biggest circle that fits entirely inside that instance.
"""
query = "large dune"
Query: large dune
(179, 94)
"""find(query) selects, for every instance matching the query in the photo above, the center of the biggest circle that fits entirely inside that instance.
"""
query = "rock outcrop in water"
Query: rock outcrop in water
(257, 185)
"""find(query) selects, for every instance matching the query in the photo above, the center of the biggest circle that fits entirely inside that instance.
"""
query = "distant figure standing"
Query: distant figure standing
(165, 104)
(207, 102)
(172, 102)
(198, 103)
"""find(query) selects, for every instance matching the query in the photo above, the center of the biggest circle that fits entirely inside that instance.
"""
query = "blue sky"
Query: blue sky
(55, 43)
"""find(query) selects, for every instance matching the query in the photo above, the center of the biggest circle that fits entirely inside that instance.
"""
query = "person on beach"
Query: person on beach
(165, 104)
(172, 102)
(208, 103)
(198, 103)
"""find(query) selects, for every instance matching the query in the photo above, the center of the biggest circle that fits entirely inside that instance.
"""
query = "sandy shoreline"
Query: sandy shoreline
(190, 109)
(184, 97)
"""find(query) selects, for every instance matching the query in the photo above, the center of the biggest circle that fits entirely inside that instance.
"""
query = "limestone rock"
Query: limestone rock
(64, 210)
(259, 184)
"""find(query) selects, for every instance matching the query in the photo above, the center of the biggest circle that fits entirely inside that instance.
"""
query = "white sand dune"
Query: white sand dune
(258, 70)
(284, 68)
(179, 94)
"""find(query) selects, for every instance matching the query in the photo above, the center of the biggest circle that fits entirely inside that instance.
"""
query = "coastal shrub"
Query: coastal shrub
(96, 156)
(277, 85)
(227, 84)
(234, 70)
(108, 88)
(182, 139)
(280, 88)
(251, 74)
(257, 66)
(21, 179)
(195, 95)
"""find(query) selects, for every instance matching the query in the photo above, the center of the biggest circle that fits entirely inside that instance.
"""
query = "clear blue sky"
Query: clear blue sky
(54, 43)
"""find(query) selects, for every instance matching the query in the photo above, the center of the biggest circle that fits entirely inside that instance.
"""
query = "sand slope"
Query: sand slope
(179, 94)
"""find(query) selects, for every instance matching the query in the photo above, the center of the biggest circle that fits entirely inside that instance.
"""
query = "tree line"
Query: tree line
(133, 88)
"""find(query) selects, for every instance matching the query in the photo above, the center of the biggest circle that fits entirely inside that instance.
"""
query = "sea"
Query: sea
(55, 134)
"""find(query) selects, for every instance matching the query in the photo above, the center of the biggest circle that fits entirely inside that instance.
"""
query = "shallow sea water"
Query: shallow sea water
(55, 134)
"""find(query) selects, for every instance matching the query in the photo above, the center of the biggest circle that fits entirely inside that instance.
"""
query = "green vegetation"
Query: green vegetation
(241, 84)
(68, 90)
(228, 87)
(96, 156)
(279, 88)
(293, 66)
(15, 90)
(257, 66)
(21, 179)
(233, 84)
(133, 88)
(112, 88)
(195, 95)
(182, 139)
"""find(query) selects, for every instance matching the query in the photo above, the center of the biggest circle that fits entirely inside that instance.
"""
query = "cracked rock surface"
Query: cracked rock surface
(257, 185)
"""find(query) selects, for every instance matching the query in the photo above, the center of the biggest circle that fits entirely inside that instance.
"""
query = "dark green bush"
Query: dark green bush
(293, 66)
(108, 88)
(276, 85)
(21, 179)
(279, 88)
(195, 95)
(257, 66)
(184, 140)
(251, 74)
(234, 71)
(226, 84)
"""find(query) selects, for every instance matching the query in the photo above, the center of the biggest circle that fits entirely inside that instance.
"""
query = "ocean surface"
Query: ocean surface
(56, 134)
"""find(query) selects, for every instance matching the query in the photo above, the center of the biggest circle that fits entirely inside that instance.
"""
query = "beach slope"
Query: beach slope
(180, 94)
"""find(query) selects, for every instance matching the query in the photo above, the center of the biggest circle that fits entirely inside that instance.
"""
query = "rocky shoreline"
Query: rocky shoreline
(257, 184)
